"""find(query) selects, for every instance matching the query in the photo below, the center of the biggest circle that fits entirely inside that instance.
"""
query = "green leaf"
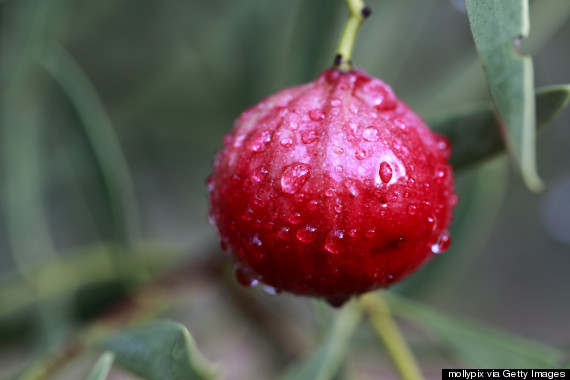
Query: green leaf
(497, 28)
(476, 344)
(109, 155)
(325, 361)
(473, 130)
(102, 367)
(158, 351)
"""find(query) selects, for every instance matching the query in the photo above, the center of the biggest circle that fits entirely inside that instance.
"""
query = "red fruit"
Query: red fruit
(332, 188)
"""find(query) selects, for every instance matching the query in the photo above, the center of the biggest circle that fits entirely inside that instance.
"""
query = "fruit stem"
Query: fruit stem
(358, 13)
(379, 312)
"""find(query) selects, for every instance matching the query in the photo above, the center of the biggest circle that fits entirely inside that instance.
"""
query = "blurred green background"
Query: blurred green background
(111, 112)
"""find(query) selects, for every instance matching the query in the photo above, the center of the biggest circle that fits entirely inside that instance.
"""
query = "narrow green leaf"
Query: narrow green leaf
(476, 344)
(102, 367)
(497, 28)
(101, 134)
(160, 350)
(473, 130)
(325, 361)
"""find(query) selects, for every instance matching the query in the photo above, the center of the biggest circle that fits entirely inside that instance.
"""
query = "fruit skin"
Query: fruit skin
(331, 188)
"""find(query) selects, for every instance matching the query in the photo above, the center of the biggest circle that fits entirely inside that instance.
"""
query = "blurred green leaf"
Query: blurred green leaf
(476, 344)
(101, 134)
(497, 27)
(326, 360)
(102, 367)
(473, 130)
(160, 350)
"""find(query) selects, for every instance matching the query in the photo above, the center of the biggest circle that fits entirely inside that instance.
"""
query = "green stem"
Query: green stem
(358, 13)
(387, 330)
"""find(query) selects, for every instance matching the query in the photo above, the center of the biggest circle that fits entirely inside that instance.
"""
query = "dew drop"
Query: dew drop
(309, 137)
(245, 278)
(431, 223)
(442, 243)
(254, 240)
(453, 200)
(412, 209)
(329, 192)
(337, 301)
(294, 177)
(353, 232)
(260, 141)
(370, 233)
(283, 233)
(307, 235)
(336, 102)
(270, 290)
(312, 205)
(371, 134)
(333, 241)
(316, 114)
(360, 154)
(411, 182)
(444, 146)
(385, 172)
(440, 173)
(339, 168)
(247, 215)
(293, 126)
(210, 183)
(338, 150)
(295, 218)
(259, 174)
(286, 142)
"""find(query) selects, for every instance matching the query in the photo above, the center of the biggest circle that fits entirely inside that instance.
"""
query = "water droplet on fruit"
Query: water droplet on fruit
(338, 150)
(294, 177)
(307, 234)
(412, 209)
(329, 192)
(212, 220)
(286, 142)
(316, 114)
(295, 218)
(371, 134)
(253, 239)
(245, 278)
(453, 200)
(444, 146)
(270, 290)
(431, 223)
(411, 182)
(370, 233)
(338, 168)
(283, 233)
(210, 183)
(385, 172)
(337, 301)
(360, 154)
(442, 243)
(312, 205)
(293, 126)
(353, 232)
(309, 137)
(247, 215)
(333, 241)
(260, 141)
(259, 174)
(336, 102)
(440, 173)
